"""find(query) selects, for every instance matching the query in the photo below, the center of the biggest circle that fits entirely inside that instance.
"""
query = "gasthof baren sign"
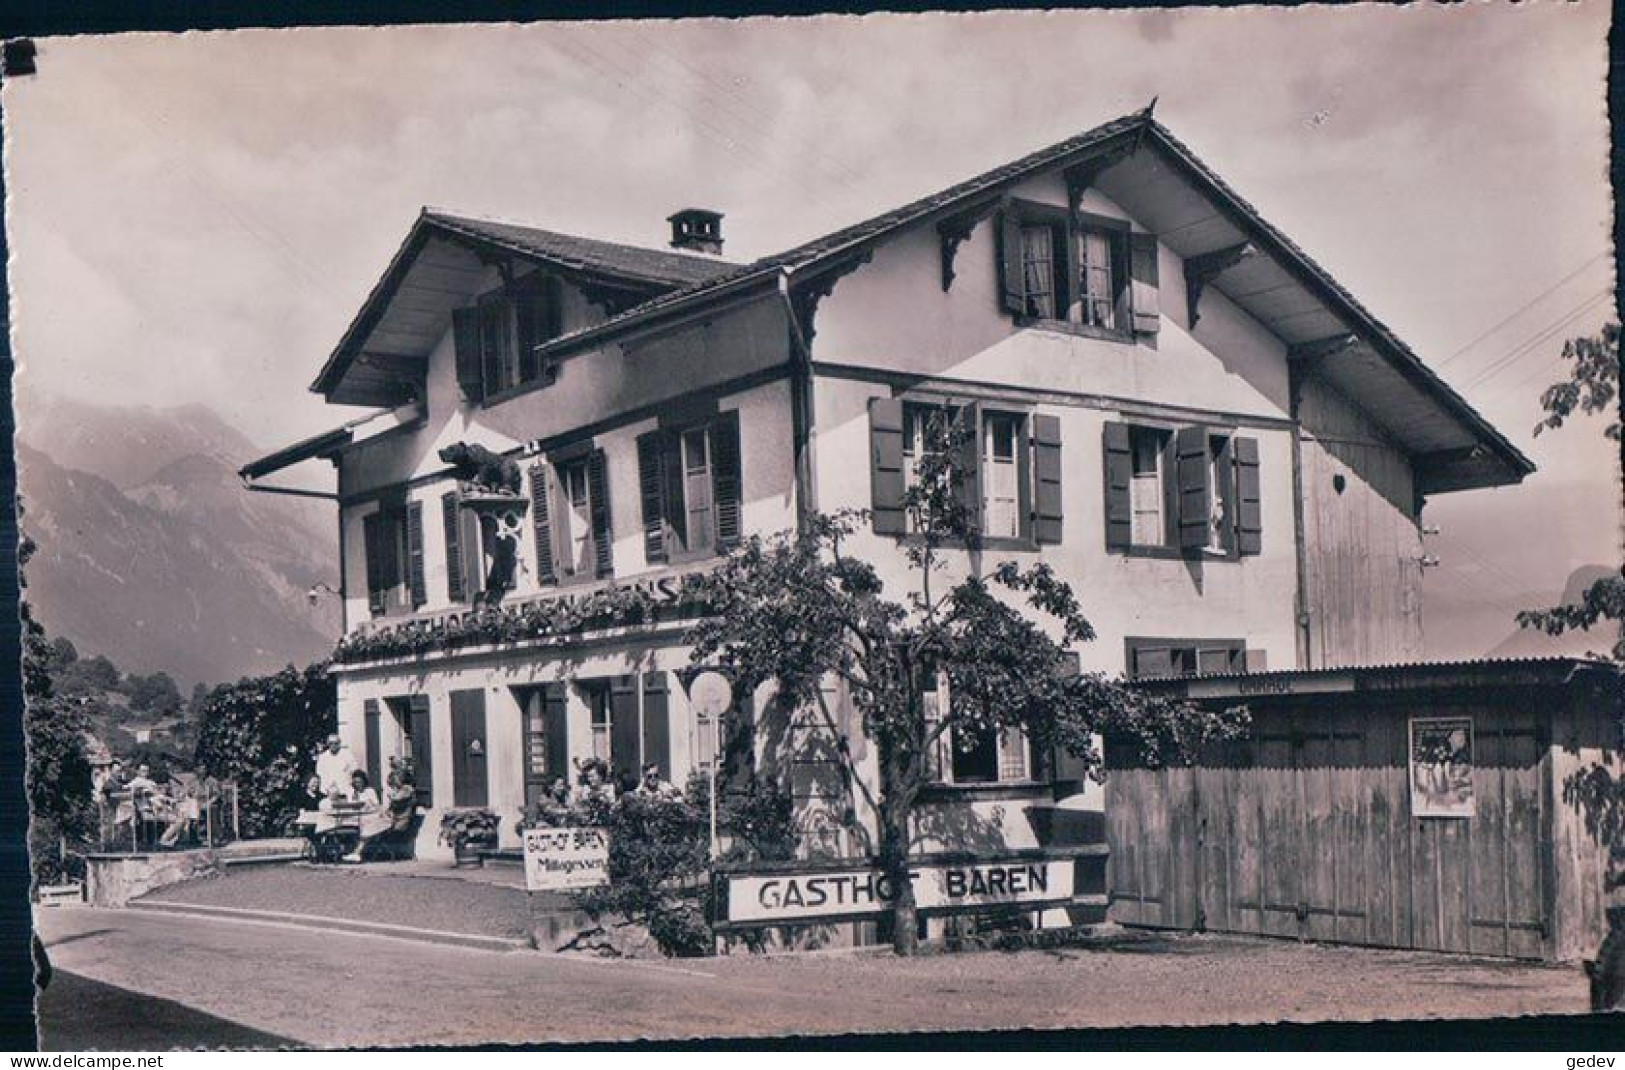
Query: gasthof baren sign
(791, 896)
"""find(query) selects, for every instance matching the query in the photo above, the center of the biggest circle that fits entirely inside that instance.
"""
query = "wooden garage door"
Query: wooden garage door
(1305, 831)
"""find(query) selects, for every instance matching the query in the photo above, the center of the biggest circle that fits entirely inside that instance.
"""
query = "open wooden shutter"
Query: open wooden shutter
(528, 310)
(1119, 475)
(886, 465)
(726, 483)
(1194, 475)
(603, 536)
(1013, 294)
(1046, 478)
(415, 578)
(625, 730)
(369, 721)
(372, 538)
(652, 492)
(968, 464)
(542, 520)
(656, 723)
(421, 744)
(1249, 513)
(455, 588)
(465, 332)
(556, 719)
(1143, 288)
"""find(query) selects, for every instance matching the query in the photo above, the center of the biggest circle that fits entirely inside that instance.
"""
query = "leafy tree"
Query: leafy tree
(1590, 387)
(799, 609)
(263, 732)
(156, 693)
(58, 773)
(88, 674)
(63, 650)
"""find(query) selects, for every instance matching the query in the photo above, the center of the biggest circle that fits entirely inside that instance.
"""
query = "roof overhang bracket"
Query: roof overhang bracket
(1311, 353)
(804, 298)
(1085, 173)
(612, 299)
(953, 231)
(1202, 269)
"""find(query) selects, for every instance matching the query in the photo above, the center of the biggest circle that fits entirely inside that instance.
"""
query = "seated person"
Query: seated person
(317, 811)
(652, 786)
(395, 815)
(364, 804)
(595, 786)
(183, 815)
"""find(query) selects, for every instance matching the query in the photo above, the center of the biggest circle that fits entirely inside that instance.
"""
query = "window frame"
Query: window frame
(942, 774)
(396, 596)
(915, 405)
(1234, 649)
(545, 296)
(1221, 464)
(1075, 225)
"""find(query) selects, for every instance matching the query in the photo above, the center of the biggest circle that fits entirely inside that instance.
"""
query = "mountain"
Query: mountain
(151, 552)
(1527, 643)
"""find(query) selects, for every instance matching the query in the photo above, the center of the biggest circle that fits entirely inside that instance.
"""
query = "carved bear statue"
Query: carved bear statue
(482, 467)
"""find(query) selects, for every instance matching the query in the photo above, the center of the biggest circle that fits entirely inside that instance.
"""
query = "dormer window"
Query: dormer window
(496, 337)
(1086, 272)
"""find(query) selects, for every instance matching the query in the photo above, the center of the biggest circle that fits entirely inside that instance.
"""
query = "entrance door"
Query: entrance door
(468, 748)
(546, 754)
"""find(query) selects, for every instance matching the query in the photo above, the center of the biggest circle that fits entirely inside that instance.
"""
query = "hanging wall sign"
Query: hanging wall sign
(1441, 766)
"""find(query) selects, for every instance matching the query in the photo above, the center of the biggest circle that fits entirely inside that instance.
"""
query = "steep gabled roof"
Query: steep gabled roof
(1485, 457)
(632, 269)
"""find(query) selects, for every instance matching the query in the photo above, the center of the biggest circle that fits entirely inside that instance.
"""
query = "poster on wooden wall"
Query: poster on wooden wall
(1442, 766)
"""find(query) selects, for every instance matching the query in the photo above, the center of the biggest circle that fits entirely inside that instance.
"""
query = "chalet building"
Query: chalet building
(1218, 446)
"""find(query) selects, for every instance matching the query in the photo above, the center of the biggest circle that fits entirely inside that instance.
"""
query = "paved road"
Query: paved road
(337, 990)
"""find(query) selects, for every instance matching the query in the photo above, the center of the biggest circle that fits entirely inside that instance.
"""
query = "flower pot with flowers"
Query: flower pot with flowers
(468, 831)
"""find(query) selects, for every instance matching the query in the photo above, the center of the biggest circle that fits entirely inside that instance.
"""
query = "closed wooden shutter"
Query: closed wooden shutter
(1194, 474)
(1119, 477)
(968, 463)
(1013, 295)
(469, 747)
(656, 723)
(369, 720)
(1249, 512)
(542, 521)
(528, 309)
(652, 493)
(1152, 662)
(1046, 478)
(494, 314)
(886, 484)
(603, 535)
(1143, 290)
(415, 577)
(456, 589)
(465, 333)
(726, 481)
(372, 539)
(626, 729)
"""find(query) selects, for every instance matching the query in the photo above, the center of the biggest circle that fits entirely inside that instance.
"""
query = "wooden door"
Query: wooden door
(468, 748)
(1506, 870)
(546, 752)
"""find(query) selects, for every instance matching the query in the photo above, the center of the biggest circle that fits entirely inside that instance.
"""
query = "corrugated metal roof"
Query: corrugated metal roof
(1489, 667)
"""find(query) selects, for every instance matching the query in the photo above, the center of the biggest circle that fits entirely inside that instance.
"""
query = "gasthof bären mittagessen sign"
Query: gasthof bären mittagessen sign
(756, 899)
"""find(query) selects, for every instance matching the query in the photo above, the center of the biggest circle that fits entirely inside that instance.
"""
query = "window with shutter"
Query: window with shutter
(417, 582)
(652, 452)
(1073, 269)
(603, 536)
(384, 537)
(1003, 515)
(496, 338)
(541, 519)
(1047, 519)
(456, 590)
(1249, 514)
(887, 481)
(1156, 658)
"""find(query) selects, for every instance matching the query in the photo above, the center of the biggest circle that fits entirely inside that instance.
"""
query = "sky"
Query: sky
(196, 217)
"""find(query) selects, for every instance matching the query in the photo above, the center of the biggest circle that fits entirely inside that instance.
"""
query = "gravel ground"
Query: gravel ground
(424, 902)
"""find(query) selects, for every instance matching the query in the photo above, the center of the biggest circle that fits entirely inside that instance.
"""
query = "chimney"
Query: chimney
(696, 230)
